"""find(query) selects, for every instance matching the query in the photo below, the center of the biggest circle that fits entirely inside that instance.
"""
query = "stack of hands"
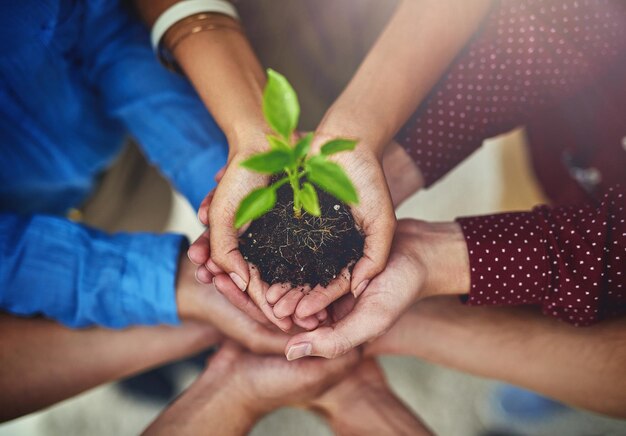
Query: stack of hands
(238, 388)
(403, 262)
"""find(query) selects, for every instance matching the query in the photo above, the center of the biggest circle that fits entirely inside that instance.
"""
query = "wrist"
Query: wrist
(247, 135)
(347, 120)
(188, 290)
(442, 251)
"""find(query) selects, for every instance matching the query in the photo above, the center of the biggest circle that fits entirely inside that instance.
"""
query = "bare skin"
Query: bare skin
(379, 99)
(363, 403)
(426, 259)
(238, 388)
(229, 79)
(44, 363)
(76, 360)
(492, 341)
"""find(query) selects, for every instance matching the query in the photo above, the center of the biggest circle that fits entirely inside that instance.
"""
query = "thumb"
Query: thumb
(379, 234)
(225, 253)
(363, 324)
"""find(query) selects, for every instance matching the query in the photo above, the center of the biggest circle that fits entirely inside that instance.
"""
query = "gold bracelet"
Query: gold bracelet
(180, 31)
(197, 29)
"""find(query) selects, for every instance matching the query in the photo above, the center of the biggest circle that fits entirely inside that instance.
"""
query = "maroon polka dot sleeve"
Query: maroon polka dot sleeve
(569, 260)
(528, 55)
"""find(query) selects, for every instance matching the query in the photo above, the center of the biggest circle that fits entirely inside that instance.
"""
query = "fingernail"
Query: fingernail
(238, 281)
(198, 276)
(299, 350)
(359, 289)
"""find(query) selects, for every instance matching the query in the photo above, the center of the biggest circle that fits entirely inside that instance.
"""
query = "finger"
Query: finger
(366, 322)
(200, 251)
(240, 300)
(203, 210)
(220, 174)
(203, 275)
(257, 290)
(212, 266)
(342, 307)
(378, 239)
(320, 298)
(322, 315)
(309, 323)
(276, 292)
(225, 250)
(286, 306)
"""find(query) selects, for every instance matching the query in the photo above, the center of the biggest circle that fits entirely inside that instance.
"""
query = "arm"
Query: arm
(229, 78)
(159, 108)
(568, 260)
(421, 39)
(82, 277)
(498, 82)
(239, 388)
(44, 363)
(390, 83)
(492, 342)
(363, 403)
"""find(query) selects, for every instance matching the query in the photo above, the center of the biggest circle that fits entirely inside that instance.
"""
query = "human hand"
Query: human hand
(238, 388)
(207, 271)
(202, 302)
(426, 259)
(375, 217)
(363, 403)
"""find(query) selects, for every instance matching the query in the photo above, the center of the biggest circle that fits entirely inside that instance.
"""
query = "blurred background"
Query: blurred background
(318, 45)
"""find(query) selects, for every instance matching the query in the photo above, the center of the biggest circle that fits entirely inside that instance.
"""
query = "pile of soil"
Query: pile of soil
(307, 250)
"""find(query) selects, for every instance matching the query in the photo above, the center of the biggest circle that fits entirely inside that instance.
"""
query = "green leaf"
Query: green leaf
(280, 104)
(277, 143)
(309, 199)
(256, 204)
(271, 162)
(336, 145)
(303, 146)
(331, 178)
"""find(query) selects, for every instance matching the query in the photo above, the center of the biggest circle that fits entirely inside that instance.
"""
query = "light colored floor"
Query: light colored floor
(496, 178)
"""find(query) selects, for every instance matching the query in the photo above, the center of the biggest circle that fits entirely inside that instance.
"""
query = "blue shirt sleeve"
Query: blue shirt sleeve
(158, 107)
(82, 277)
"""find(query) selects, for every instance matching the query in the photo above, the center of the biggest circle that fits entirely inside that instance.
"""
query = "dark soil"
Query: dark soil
(306, 250)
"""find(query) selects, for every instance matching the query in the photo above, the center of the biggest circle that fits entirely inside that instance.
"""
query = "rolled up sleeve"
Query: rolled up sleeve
(83, 277)
(159, 108)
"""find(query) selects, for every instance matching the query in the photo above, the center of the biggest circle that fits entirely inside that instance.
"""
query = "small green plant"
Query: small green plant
(291, 158)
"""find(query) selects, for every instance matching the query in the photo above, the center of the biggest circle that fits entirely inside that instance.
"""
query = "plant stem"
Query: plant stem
(294, 181)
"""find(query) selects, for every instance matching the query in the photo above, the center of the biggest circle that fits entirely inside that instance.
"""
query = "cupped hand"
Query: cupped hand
(426, 259)
(209, 271)
(202, 302)
(374, 215)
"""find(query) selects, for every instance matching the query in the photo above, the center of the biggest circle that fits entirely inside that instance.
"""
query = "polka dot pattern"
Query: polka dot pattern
(569, 260)
(528, 55)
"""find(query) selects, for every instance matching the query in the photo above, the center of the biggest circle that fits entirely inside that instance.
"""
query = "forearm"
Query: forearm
(419, 43)
(520, 346)
(43, 362)
(363, 403)
(209, 406)
(224, 70)
(386, 415)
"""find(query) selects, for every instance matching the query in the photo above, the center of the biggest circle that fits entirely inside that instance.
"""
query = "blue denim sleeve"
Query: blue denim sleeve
(83, 277)
(160, 108)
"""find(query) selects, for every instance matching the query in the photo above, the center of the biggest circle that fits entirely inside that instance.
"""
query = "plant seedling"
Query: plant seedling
(290, 158)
